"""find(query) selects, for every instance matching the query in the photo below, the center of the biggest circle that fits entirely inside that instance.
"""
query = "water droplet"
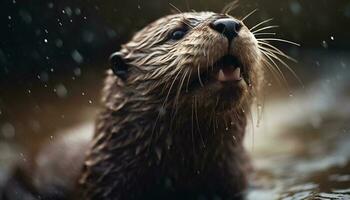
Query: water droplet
(61, 91)
(260, 114)
(26, 17)
(8, 130)
(29, 91)
(50, 5)
(83, 93)
(59, 43)
(77, 11)
(45, 40)
(9, 17)
(295, 7)
(68, 11)
(161, 111)
(51, 137)
(77, 71)
(77, 57)
(43, 76)
(324, 44)
(23, 157)
(332, 37)
(90, 102)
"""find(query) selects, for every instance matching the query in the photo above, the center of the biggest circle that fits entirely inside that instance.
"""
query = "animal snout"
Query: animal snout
(227, 26)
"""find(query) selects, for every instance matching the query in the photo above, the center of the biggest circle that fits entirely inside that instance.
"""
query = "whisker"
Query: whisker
(277, 68)
(197, 121)
(264, 28)
(178, 92)
(230, 6)
(261, 23)
(249, 14)
(257, 34)
(274, 72)
(176, 8)
(188, 24)
(277, 51)
(287, 66)
(192, 131)
(188, 79)
(279, 40)
(199, 76)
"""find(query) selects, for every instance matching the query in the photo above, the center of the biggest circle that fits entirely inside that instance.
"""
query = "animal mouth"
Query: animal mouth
(228, 69)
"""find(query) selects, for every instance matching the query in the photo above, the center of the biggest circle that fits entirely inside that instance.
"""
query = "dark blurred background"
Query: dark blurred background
(53, 55)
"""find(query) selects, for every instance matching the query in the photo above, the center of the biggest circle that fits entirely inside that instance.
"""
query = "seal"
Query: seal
(173, 117)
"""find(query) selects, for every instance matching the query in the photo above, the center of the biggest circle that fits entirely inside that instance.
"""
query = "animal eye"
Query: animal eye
(178, 34)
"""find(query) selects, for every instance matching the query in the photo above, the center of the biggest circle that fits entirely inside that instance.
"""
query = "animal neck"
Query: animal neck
(135, 130)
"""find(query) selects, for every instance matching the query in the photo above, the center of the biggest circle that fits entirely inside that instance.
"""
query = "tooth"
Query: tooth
(221, 76)
(237, 74)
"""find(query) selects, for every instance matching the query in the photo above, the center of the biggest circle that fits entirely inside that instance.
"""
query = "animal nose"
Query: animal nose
(227, 26)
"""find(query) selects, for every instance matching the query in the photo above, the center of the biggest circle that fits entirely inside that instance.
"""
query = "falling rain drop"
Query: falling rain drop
(61, 91)
(8, 130)
(259, 113)
(324, 44)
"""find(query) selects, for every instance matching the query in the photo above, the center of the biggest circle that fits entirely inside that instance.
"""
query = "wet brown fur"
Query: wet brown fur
(163, 133)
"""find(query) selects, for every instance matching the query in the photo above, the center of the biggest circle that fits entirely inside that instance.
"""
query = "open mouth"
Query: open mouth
(229, 69)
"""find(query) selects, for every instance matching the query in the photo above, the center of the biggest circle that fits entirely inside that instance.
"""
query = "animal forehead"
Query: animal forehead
(162, 26)
(194, 18)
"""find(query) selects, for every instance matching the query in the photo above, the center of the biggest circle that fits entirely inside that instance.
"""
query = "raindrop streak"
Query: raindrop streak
(260, 113)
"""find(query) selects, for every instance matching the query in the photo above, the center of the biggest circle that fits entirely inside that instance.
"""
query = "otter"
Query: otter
(173, 117)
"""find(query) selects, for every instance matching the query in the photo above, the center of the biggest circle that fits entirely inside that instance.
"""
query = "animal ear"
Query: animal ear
(118, 65)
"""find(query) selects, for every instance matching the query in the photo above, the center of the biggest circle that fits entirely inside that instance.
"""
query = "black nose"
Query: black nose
(226, 26)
